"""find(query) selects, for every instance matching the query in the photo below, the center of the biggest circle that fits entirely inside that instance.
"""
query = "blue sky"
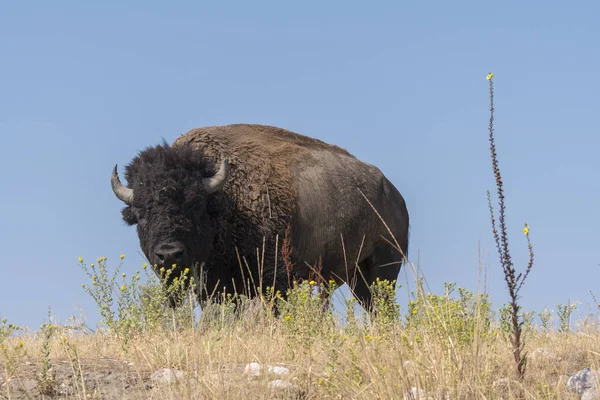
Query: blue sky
(400, 85)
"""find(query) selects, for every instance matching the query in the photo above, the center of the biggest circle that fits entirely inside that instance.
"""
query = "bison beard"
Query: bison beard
(217, 193)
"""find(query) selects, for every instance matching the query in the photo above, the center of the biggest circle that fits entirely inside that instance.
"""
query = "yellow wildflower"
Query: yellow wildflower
(51, 326)
(122, 256)
(526, 230)
(99, 260)
(287, 317)
(123, 288)
(311, 283)
(94, 277)
(489, 76)
(20, 344)
(123, 275)
(80, 259)
(368, 337)
(331, 281)
(92, 265)
(144, 265)
(186, 271)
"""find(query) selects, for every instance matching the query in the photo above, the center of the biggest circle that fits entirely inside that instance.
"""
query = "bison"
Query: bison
(220, 193)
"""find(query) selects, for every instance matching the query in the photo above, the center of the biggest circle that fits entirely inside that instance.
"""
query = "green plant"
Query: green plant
(129, 307)
(6, 329)
(564, 316)
(11, 354)
(545, 318)
(453, 320)
(386, 311)
(303, 309)
(47, 376)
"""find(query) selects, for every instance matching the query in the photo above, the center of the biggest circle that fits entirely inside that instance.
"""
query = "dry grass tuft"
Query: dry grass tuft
(432, 350)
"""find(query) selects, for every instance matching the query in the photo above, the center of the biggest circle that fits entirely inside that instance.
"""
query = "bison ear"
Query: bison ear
(129, 216)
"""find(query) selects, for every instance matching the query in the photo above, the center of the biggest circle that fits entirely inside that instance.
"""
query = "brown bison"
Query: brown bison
(220, 193)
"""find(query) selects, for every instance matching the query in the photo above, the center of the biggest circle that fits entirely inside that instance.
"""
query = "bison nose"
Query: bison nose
(171, 253)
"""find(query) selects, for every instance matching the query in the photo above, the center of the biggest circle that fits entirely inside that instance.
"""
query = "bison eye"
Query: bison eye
(129, 216)
(213, 206)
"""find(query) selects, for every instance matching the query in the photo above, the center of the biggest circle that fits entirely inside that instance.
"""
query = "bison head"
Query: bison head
(168, 195)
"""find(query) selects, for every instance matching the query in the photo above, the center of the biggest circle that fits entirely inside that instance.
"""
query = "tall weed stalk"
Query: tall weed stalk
(514, 281)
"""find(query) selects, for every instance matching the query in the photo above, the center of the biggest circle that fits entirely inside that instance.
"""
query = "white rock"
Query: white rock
(543, 355)
(590, 394)
(415, 394)
(166, 375)
(277, 370)
(583, 383)
(502, 382)
(252, 369)
(280, 384)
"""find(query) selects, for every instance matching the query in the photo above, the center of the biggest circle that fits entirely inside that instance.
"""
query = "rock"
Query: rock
(252, 369)
(280, 384)
(502, 383)
(502, 386)
(28, 385)
(166, 375)
(591, 394)
(583, 383)
(277, 370)
(22, 385)
(542, 355)
(416, 394)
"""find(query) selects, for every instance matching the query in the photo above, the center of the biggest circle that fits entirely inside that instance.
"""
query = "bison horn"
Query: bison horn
(122, 192)
(216, 182)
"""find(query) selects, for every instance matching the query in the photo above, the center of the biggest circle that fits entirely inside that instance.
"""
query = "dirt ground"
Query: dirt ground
(120, 379)
(102, 378)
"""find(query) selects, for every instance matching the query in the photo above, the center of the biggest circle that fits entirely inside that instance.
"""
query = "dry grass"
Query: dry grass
(366, 361)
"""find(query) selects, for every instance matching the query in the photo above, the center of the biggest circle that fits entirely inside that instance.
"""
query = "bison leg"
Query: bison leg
(384, 263)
